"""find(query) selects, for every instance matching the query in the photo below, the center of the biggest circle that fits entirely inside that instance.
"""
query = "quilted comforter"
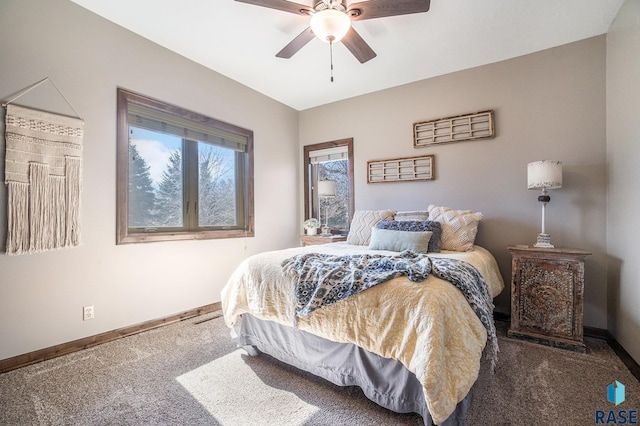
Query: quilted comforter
(428, 326)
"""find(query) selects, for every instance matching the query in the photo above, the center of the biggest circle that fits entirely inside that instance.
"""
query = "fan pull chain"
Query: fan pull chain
(331, 57)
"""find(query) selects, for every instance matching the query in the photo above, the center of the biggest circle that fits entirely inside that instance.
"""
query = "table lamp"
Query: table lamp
(544, 175)
(326, 189)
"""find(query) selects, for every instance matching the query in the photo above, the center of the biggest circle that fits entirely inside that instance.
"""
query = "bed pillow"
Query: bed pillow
(362, 222)
(389, 239)
(459, 227)
(417, 226)
(421, 215)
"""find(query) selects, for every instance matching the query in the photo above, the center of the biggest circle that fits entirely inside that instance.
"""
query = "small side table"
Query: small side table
(312, 240)
(547, 296)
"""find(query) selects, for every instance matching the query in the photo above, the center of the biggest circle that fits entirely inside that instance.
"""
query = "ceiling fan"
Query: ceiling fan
(331, 21)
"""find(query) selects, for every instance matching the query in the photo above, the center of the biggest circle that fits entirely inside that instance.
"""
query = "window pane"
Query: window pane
(336, 209)
(216, 186)
(155, 179)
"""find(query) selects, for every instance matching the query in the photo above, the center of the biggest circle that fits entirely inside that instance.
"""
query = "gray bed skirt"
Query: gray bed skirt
(384, 381)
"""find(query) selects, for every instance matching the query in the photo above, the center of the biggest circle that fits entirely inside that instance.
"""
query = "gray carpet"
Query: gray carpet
(191, 373)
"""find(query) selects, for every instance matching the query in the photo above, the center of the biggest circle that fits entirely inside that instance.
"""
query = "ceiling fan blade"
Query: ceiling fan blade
(356, 45)
(284, 5)
(296, 44)
(380, 8)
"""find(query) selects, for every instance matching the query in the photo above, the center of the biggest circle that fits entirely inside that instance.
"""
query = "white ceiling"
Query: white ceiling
(240, 40)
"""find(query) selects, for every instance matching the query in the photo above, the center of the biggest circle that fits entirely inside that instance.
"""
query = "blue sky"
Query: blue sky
(155, 148)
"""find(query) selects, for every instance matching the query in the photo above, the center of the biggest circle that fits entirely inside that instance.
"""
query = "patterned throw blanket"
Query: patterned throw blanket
(323, 279)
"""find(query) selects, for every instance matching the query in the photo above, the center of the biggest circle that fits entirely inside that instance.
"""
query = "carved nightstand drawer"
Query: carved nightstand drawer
(547, 293)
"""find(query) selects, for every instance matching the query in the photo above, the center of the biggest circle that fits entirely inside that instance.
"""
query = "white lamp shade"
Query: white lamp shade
(326, 188)
(330, 25)
(544, 174)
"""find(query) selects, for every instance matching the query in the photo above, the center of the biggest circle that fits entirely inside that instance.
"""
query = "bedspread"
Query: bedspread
(427, 326)
(322, 279)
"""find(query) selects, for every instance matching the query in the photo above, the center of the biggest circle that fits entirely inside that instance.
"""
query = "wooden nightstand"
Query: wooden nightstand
(547, 294)
(312, 240)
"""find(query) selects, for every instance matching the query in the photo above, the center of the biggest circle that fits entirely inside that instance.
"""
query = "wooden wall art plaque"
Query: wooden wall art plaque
(465, 127)
(400, 169)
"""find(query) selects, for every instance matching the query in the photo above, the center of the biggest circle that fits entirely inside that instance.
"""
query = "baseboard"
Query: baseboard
(624, 356)
(597, 333)
(499, 316)
(12, 363)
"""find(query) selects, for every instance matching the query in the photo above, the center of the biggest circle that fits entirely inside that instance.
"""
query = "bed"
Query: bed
(410, 346)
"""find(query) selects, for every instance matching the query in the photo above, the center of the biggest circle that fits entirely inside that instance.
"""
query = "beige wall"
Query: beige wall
(548, 105)
(623, 172)
(41, 295)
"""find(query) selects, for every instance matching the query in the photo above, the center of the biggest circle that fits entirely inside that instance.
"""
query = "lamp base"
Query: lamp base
(544, 241)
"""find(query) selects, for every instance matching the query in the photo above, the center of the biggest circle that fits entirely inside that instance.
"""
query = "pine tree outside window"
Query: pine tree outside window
(181, 175)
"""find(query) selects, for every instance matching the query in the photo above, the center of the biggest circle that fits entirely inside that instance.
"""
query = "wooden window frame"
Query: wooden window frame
(125, 234)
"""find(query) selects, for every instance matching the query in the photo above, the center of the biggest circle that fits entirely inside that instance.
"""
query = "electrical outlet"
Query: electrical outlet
(87, 313)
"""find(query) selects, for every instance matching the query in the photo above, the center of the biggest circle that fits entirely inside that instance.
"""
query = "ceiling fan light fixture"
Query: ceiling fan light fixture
(330, 25)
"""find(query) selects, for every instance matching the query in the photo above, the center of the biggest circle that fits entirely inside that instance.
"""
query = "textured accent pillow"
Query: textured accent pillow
(459, 227)
(362, 222)
(417, 226)
(421, 215)
(389, 239)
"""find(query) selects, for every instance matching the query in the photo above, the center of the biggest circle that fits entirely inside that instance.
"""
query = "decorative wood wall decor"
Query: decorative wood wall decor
(477, 125)
(400, 169)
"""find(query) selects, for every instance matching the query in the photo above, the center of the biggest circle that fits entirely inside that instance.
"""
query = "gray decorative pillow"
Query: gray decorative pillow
(388, 239)
(419, 215)
(416, 226)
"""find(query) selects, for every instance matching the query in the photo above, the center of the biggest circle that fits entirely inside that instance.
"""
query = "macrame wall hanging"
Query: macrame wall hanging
(43, 174)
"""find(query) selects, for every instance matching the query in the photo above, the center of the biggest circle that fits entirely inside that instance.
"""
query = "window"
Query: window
(329, 161)
(181, 175)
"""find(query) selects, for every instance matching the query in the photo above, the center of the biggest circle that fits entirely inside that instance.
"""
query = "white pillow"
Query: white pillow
(362, 222)
(459, 227)
(389, 239)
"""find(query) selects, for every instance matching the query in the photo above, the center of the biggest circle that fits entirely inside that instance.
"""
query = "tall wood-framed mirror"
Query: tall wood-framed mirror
(329, 183)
